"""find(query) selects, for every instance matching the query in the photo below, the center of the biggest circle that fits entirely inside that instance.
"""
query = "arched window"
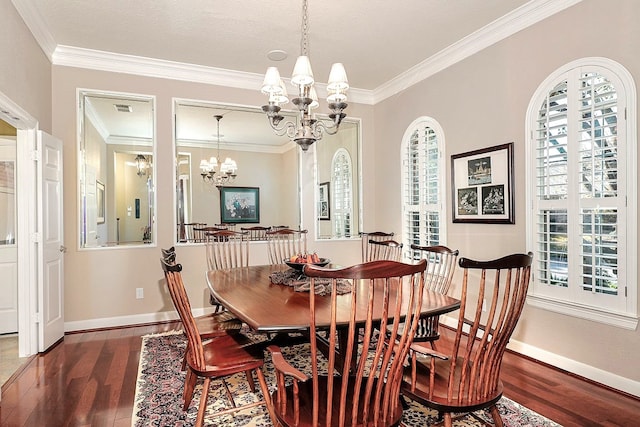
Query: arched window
(423, 186)
(342, 194)
(581, 163)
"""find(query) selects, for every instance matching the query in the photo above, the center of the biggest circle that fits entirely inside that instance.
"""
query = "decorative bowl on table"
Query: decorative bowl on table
(299, 265)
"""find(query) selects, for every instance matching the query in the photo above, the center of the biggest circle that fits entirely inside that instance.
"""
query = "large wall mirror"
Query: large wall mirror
(115, 171)
(264, 191)
(338, 183)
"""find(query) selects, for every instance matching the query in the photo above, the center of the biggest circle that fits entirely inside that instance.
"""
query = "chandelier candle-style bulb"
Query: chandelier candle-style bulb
(307, 129)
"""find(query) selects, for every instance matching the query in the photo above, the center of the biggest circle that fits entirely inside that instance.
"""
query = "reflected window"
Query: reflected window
(338, 167)
(116, 173)
(342, 196)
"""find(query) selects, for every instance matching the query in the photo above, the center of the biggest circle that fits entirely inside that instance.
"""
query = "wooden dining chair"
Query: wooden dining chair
(282, 244)
(441, 265)
(215, 358)
(256, 232)
(374, 235)
(210, 325)
(389, 250)
(365, 389)
(467, 378)
(227, 249)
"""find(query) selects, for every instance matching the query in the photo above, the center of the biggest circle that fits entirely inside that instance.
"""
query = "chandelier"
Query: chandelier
(141, 165)
(308, 129)
(228, 168)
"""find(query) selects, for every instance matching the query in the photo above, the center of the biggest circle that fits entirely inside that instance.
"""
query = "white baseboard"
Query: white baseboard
(594, 374)
(138, 319)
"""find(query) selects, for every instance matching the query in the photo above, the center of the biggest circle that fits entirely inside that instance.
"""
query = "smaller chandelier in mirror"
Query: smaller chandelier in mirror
(141, 165)
(218, 174)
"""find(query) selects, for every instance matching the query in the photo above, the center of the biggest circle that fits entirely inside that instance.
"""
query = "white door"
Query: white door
(51, 249)
(8, 249)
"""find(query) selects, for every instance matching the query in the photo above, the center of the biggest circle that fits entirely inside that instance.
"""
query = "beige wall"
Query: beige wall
(25, 71)
(100, 284)
(482, 101)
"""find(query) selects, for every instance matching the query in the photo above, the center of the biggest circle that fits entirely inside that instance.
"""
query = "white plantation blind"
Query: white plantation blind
(580, 231)
(423, 187)
(342, 197)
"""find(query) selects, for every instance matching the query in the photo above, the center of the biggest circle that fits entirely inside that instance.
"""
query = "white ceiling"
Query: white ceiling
(384, 44)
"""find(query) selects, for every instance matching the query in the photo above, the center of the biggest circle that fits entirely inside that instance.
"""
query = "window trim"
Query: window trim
(629, 318)
(426, 121)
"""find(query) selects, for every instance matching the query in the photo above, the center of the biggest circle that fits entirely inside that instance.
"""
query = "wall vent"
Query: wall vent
(123, 108)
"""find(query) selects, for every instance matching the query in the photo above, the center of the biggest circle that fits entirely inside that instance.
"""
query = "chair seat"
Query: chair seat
(217, 324)
(439, 400)
(229, 354)
(306, 405)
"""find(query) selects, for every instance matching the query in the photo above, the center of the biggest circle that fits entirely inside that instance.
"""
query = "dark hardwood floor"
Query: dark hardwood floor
(89, 378)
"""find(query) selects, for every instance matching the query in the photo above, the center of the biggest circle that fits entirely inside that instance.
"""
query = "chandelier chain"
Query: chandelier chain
(304, 41)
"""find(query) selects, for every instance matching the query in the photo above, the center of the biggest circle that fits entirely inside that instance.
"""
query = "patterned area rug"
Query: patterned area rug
(158, 400)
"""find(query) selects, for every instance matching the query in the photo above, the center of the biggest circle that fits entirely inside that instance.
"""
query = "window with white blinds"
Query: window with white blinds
(342, 194)
(423, 186)
(581, 162)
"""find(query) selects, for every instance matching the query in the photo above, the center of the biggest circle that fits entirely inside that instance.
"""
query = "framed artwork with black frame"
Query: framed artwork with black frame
(324, 202)
(239, 204)
(482, 185)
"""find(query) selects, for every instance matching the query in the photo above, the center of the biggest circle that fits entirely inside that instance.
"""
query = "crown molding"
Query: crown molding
(36, 25)
(503, 27)
(528, 14)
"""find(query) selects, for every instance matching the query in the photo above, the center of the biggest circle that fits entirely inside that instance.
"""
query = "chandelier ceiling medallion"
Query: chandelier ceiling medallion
(308, 129)
(228, 168)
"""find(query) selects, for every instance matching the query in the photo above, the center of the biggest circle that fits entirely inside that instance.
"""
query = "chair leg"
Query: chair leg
(448, 422)
(203, 402)
(267, 397)
(252, 384)
(189, 387)
(497, 419)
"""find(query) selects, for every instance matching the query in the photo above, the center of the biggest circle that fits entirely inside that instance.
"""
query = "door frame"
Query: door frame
(26, 224)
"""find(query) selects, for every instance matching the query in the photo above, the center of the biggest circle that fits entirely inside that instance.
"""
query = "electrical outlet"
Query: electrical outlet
(139, 293)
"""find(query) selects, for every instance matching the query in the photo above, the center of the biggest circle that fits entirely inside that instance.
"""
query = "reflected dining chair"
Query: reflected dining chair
(467, 378)
(187, 232)
(283, 243)
(441, 265)
(256, 232)
(389, 250)
(365, 391)
(215, 358)
(374, 235)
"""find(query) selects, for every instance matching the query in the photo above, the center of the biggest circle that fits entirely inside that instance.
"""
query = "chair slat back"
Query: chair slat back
(389, 250)
(188, 232)
(284, 243)
(374, 235)
(173, 277)
(374, 377)
(503, 284)
(227, 249)
(256, 233)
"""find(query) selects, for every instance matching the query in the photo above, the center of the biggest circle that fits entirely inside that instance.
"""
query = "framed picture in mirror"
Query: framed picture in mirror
(100, 202)
(239, 204)
(324, 205)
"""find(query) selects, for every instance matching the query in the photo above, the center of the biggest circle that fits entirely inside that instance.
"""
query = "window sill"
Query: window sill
(624, 321)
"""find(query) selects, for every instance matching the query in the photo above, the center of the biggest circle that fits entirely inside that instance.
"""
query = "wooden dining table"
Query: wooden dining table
(248, 293)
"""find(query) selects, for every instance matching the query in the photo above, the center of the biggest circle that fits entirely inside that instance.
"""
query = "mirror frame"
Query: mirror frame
(358, 180)
(81, 94)
(216, 105)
